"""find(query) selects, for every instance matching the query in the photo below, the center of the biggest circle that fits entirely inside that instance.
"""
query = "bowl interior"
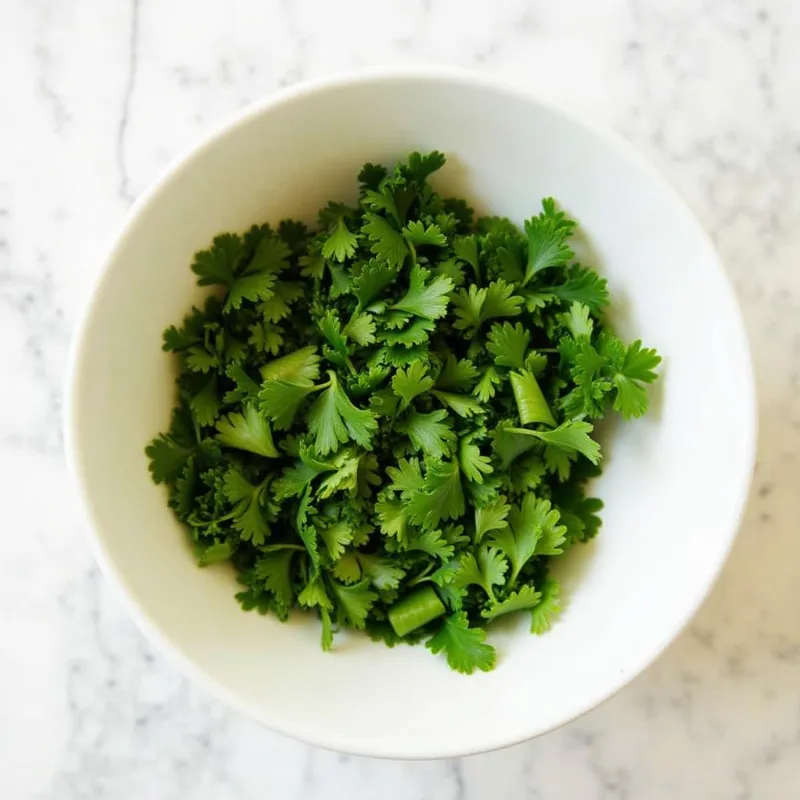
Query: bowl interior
(674, 481)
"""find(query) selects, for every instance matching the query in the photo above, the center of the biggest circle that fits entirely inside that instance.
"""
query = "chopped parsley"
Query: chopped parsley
(388, 420)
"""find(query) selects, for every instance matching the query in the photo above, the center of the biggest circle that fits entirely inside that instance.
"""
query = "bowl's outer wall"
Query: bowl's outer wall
(674, 482)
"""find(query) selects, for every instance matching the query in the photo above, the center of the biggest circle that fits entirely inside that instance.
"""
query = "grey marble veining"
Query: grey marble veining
(97, 97)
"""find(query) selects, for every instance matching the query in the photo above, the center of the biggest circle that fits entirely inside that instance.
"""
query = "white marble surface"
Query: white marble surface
(97, 95)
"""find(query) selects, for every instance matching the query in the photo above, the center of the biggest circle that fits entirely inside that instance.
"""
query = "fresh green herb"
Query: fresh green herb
(388, 420)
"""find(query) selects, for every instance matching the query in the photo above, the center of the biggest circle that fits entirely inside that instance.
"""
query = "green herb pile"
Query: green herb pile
(388, 420)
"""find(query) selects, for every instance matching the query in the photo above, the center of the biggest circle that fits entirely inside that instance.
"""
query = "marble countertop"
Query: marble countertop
(99, 95)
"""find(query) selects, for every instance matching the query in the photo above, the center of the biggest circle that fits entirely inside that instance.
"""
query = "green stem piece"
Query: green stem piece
(415, 610)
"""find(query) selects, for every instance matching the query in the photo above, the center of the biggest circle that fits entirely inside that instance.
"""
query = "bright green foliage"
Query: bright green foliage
(465, 647)
(247, 431)
(388, 421)
(527, 597)
(411, 382)
(548, 608)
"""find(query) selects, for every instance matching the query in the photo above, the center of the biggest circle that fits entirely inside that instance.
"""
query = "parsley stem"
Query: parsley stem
(425, 575)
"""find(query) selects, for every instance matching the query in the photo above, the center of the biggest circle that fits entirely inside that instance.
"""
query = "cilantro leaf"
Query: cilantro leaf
(491, 518)
(336, 537)
(571, 437)
(281, 399)
(474, 465)
(486, 388)
(508, 344)
(463, 404)
(415, 334)
(637, 368)
(278, 305)
(340, 242)
(206, 404)
(218, 265)
(388, 243)
(417, 234)
(582, 286)
(548, 608)
(547, 244)
(433, 543)
(245, 387)
(374, 277)
(578, 320)
(248, 515)
(371, 175)
(382, 573)
(520, 600)
(410, 383)
(274, 568)
(423, 299)
(474, 307)
(298, 366)
(257, 280)
(457, 374)
(406, 476)
(429, 433)
(392, 518)
(248, 431)
(465, 647)
(361, 329)
(354, 601)
(533, 529)
(169, 453)
(466, 249)
(420, 166)
(486, 570)
(440, 496)
(334, 419)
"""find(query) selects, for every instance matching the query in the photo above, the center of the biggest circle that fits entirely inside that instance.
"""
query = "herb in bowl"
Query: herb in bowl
(388, 420)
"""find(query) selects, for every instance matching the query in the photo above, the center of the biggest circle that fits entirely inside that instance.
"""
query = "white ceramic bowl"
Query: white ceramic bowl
(675, 481)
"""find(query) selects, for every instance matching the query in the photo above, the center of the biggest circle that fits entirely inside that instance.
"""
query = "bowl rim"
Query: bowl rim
(151, 628)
